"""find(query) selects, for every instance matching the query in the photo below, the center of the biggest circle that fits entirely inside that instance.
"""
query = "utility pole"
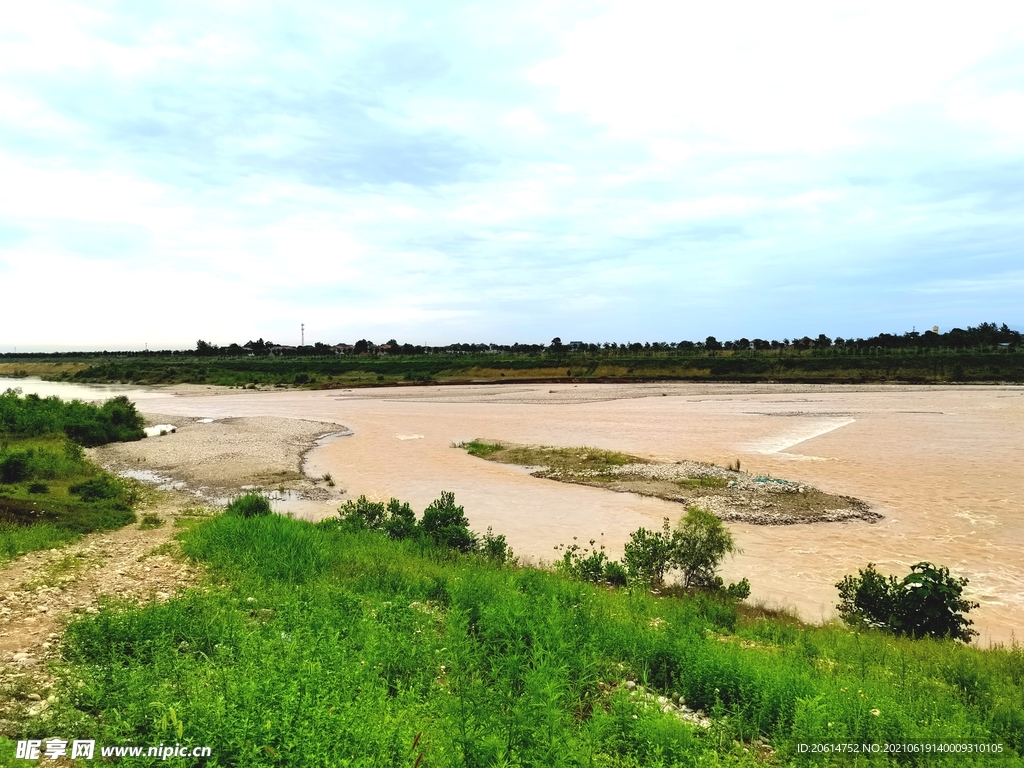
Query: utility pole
(303, 333)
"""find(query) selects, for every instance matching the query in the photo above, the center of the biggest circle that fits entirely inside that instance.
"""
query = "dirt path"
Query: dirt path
(42, 590)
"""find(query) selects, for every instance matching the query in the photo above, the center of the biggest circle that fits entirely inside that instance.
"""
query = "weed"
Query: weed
(150, 521)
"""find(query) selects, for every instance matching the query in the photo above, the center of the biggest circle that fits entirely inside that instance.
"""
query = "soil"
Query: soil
(41, 591)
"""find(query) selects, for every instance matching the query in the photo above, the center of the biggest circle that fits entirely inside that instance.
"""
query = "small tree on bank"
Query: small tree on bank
(696, 547)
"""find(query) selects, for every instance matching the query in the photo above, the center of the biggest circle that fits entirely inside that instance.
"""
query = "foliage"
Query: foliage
(648, 555)
(85, 423)
(696, 547)
(326, 645)
(249, 505)
(494, 548)
(699, 544)
(51, 494)
(927, 602)
(446, 525)
(590, 564)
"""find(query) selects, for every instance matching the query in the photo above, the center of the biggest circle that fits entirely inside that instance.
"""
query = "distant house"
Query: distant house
(343, 349)
(384, 349)
(575, 345)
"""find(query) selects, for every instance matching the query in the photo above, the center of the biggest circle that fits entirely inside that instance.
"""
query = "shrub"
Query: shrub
(648, 555)
(38, 487)
(249, 505)
(928, 602)
(700, 543)
(401, 521)
(14, 466)
(362, 514)
(446, 524)
(97, 488)
(495, 548)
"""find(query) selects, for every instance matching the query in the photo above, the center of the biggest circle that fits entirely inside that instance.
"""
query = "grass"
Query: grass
(51, 494)
(562, 460)
(324, 645)
(150, 521)
(693, 483)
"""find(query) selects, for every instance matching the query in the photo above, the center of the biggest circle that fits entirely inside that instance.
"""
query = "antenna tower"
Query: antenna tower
(303, 326)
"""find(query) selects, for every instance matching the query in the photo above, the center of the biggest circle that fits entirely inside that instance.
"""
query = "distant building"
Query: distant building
(575, 344)
(343, 349)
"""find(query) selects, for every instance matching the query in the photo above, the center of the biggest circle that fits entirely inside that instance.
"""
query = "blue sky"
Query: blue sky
(440, 172)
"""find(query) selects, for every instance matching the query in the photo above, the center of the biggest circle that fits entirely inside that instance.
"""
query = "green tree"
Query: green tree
(648, 555)
(699, 544)
(446, 524)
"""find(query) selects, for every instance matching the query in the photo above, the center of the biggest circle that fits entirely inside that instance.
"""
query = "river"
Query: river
(942, 464)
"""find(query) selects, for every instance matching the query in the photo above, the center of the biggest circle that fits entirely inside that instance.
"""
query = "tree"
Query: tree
(927, 602)
(700, 543)
(648, 555)
(696, 547)
(446, 524)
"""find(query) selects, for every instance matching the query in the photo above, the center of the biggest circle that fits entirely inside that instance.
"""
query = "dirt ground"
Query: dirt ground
(41, 591)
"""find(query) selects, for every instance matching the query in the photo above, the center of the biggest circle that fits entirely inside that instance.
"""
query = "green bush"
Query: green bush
(446, 525)
(100, 488)
(699, 544)
(249, 505)
(85, 423)
(14, 466)
(927, 602)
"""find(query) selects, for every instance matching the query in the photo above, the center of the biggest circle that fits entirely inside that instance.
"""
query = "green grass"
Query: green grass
(322, 645)
(150, 521)
(702, 482)
(51, 494)
(557, 459)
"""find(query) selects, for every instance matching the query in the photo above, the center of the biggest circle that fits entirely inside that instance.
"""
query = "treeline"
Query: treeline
(85, 423)
(982, 336)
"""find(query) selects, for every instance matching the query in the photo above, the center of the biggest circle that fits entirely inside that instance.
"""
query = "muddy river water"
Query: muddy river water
(944, 465)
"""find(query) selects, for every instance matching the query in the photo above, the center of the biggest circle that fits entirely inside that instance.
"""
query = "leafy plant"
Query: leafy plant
(699, 544)
(927, 602)
(446, 524)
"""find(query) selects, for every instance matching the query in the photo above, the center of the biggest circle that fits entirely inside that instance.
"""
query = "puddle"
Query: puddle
(158, 430)
(148, 476)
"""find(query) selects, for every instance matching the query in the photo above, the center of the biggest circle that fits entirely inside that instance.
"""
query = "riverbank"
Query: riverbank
(215, 459)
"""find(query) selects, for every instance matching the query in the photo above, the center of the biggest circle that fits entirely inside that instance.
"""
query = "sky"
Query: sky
(498, 172)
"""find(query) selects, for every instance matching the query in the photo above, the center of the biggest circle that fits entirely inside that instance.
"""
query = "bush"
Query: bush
(495, 548)
(97, 489)
(249, 505)
(14, 466)
(928, 602)
(700, 543)
(446, 524)
(648, 555)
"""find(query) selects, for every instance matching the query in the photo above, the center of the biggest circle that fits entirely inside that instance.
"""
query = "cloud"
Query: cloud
(459, 172)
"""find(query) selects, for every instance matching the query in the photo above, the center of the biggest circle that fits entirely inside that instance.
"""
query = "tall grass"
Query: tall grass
(77, 497)
(325, 645)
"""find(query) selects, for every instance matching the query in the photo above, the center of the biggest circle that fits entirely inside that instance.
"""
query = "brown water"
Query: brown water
(943, 464)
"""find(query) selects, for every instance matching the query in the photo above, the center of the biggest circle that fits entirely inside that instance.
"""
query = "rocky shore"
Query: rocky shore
(729, 494)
